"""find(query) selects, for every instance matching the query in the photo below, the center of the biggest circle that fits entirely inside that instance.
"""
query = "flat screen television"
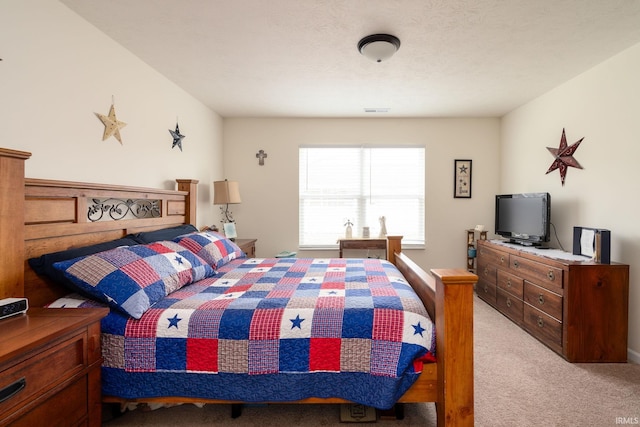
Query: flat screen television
(524, 218)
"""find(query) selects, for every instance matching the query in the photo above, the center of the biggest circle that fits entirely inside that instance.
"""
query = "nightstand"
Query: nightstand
(248, 246)
(50, 362)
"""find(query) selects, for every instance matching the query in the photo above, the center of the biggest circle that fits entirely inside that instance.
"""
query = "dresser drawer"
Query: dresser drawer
(544, 327)
(544, 300)
(491, 256)
(36, 375)
(509, 305)
(542, 274)
(487, 272)
(510, 283)
(66, 408)
(486, 291)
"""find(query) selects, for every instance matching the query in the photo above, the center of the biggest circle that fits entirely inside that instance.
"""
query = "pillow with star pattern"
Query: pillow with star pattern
(212, 247)
(133, 278)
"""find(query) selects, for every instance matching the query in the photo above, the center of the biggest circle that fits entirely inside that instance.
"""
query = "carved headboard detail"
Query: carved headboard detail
(59, 215)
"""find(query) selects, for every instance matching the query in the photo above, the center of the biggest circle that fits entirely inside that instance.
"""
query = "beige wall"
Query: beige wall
(603, 106)
(269, 209)
(57, 71)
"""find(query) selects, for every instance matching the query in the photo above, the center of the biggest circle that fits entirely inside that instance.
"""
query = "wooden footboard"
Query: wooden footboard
(448, 297)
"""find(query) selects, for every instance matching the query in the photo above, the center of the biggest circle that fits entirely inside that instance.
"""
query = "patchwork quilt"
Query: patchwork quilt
(276, 329)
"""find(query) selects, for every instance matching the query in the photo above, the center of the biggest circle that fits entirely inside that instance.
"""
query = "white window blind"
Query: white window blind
(360, 184)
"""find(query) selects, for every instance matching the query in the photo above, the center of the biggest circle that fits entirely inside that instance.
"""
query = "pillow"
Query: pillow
(164, 234)
(212, 247)
(43, 265)
(74, 300)
(132, 279)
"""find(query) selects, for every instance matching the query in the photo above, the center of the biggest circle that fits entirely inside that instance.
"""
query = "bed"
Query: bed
(60, 215)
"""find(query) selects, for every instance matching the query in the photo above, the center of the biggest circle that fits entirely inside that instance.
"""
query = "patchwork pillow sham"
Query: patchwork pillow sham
(212, 247)
(43, 265)
(132, 279)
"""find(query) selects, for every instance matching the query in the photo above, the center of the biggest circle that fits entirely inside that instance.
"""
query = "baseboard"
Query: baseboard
(633, 356)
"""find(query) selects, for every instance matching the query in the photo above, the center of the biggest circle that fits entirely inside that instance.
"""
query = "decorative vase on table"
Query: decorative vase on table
(383, 227)
(348, 234)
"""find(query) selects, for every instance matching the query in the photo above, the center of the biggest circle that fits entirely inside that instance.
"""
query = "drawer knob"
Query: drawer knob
(550, 275)
(502, 259)
(509, 302)
(540, 322)
(12, 389)
(516, 264)
(508, 283)
(541, 299)
(486, 271)
(486, 289)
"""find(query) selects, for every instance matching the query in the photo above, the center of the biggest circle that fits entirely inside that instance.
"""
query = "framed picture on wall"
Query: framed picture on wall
(462, 179)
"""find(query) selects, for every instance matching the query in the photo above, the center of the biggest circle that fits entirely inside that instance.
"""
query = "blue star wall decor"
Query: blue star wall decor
(564, 157)
(177, 137)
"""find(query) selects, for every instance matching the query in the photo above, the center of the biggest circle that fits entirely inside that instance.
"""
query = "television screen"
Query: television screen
(523, 218)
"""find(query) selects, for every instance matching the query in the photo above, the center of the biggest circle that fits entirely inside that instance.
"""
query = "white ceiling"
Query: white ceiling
(299, 58)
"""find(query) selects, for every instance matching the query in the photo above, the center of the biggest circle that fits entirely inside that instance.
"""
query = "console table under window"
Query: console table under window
(389, 244)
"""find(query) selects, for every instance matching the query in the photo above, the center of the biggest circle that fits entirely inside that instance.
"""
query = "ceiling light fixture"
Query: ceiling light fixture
(379, 47)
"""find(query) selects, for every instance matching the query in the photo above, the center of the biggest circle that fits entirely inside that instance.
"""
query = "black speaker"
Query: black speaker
(592, 242)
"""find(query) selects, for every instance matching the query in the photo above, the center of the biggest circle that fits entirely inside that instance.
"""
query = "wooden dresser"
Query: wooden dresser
(578, 309)
(50, 368)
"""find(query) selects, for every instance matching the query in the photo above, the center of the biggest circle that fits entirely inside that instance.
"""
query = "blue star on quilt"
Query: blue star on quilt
(179, 259)
(297, 322)
(418, 329)
(173, 321)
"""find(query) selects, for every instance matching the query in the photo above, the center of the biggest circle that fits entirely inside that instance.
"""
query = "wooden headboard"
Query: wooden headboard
(60, 215)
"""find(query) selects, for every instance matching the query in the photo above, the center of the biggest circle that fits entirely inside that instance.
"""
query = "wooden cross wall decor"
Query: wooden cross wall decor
(261, 155)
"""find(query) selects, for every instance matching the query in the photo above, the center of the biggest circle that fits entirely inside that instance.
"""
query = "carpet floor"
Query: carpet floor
(518, 382)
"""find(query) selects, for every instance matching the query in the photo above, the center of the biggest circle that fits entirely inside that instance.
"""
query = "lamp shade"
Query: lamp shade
(226, 192)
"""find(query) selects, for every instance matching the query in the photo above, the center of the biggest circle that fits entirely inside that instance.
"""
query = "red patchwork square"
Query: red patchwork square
(141, 272)
(160, 248)
(324, 354)
(202, 355)
(265, 324)
(145, 327)
(332, 285)
(387, 324)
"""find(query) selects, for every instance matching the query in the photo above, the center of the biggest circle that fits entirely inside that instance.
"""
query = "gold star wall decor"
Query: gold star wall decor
(112, 125)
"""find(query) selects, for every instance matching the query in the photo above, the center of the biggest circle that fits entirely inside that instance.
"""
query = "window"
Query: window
(360, 184)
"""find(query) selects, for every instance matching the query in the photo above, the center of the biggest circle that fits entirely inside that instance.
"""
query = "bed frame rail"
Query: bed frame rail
(448, 296)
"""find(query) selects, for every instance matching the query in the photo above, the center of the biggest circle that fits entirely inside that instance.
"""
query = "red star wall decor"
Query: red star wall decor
(564, 157)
